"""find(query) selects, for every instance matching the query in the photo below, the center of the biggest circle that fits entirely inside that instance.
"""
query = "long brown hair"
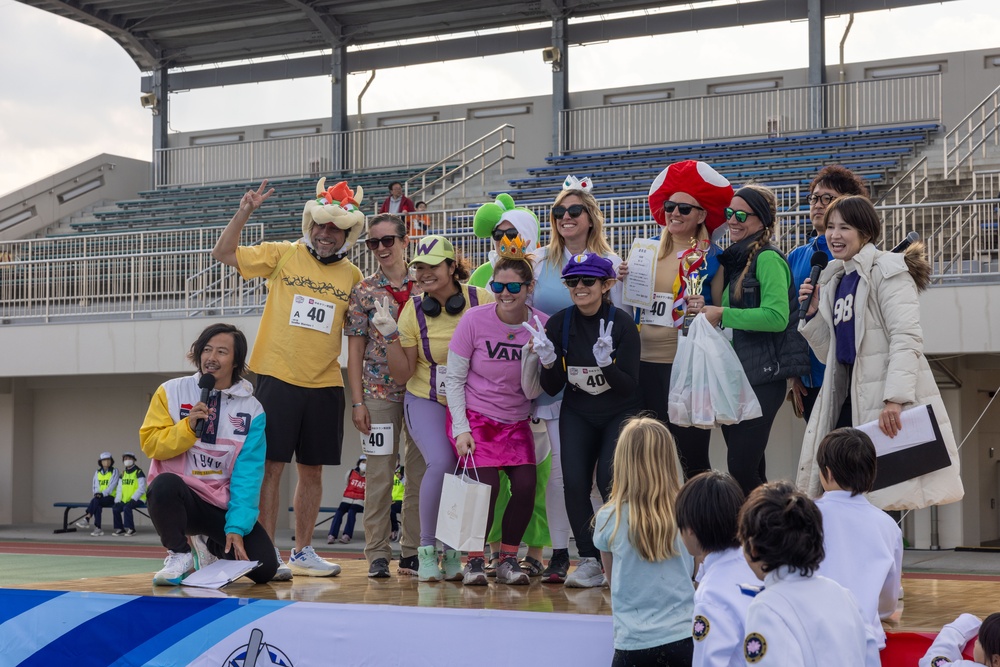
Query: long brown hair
(765, 237)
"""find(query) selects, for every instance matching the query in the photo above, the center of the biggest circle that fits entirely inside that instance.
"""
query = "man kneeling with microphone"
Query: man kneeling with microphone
(206, 442)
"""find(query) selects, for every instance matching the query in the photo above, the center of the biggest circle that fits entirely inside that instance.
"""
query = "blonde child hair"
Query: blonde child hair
(647, 476)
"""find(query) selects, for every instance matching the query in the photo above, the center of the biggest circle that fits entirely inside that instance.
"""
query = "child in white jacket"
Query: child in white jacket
(948, 645)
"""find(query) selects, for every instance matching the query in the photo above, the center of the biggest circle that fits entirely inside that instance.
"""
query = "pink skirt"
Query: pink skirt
(498, 444)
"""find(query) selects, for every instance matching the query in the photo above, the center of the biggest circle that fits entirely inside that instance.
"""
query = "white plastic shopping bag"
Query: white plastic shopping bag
(707, 384)
(465, 505)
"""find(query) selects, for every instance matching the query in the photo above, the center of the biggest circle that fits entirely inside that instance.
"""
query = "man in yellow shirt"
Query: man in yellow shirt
(296, 352)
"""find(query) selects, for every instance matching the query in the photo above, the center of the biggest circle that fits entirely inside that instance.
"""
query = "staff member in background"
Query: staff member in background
(103, 487)
(208, 487)
(687, 199)
(295, 355)
(759, 305)
(131, 493)
(591, 350)
(377, 399)
(831, 182)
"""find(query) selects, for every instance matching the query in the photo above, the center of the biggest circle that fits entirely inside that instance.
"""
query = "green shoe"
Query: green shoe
(428, 569)
(452, 565)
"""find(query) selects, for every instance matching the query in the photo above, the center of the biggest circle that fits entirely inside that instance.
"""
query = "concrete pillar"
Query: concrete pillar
(338, 108)
(817, 64)
(560, 81)
(17, 417)
(160, 123)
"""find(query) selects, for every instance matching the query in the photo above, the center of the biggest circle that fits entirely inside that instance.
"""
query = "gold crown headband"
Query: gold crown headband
(512, 249)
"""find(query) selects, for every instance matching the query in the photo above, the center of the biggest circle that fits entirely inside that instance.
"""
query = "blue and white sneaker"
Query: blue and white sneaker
(307, 563)
(175, 568)
(202, 556)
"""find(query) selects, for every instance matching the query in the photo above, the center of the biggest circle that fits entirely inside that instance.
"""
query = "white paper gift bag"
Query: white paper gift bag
(464, 509)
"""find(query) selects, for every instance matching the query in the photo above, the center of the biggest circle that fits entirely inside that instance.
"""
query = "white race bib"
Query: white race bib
(442, 373)
(379, 441)
(311, 313)
(661, 312)
(209, 462)
(589, 379)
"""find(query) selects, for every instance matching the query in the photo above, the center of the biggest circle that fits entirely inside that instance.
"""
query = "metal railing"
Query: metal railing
(848, 106)
(396, 147)
(972, 135)
(172, 274)
(433, 184)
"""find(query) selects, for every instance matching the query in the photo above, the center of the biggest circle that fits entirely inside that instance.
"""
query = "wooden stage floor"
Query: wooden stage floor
(930, 601)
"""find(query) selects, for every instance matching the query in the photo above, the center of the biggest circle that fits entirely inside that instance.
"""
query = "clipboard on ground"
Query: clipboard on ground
(220, 573)
(916, 450)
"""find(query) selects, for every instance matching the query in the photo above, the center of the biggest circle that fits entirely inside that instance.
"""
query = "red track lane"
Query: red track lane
(116, 550)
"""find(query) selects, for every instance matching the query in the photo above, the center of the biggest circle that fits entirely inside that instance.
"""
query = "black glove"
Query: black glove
(98, 495)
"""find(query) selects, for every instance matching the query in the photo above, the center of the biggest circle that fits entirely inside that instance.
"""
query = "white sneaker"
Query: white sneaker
(308, 564)
(97, 532)
(83, 523)
(202, 556)
(283, 573)
(588, 574)
(175, 568)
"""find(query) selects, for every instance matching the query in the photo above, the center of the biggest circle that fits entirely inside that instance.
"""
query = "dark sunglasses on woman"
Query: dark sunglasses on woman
(386, 241)
(500, 233)
(684, 209)
(739, 215)
(573, 281)
(513, 288)
(574, 211)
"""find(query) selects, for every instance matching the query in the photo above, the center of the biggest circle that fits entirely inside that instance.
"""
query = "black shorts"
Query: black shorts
(303, 420)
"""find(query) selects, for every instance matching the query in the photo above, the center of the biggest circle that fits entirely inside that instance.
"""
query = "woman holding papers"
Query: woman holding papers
(863, 319)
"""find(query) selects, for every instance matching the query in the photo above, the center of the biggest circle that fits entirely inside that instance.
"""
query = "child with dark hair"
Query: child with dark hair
(708, 507)
(948, 645)
(800, 618)
(864, 546)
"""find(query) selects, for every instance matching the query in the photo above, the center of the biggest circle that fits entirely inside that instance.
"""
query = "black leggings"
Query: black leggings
(522, 500)
(692, 442)
(747, 440)
(587, 444)
(680, 652)
(176, 512)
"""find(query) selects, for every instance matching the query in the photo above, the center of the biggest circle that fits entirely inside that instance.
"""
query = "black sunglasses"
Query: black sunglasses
(669, 207)
(513, 288)
(588, 281)
(574, 211)
(386, 241)
(739, 215)
(500, 233)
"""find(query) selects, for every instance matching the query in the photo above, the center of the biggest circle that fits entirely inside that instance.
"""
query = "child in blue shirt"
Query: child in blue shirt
(647, 566)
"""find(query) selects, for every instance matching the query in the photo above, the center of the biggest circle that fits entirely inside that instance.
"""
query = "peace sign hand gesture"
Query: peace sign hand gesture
(252, 200)
(604, 346)
(540, 343)
(382, 319)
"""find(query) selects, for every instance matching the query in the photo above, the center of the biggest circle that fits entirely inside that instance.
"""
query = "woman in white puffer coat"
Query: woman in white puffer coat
(868, 332)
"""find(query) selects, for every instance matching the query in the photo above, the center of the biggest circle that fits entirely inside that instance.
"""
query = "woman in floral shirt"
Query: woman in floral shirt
(377, 401)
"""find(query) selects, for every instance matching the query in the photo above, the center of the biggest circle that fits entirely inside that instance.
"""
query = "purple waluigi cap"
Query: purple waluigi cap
(588, 264)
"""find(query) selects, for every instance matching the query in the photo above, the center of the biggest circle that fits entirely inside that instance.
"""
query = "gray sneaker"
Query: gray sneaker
(379, 569)
(202, 556)
(509, 572)
(308, 563)
(588, 574)
(475, 573)
(283, 573)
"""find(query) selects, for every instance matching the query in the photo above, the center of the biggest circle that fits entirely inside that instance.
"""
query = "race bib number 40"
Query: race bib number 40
(379, 441)
(311, 313)
(660, 313)
(588, 378)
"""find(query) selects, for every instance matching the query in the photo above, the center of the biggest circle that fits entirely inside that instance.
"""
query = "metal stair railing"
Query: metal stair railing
(437, 180)
(972, 135)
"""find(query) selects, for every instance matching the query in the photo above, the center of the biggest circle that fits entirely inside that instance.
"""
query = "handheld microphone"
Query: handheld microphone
(910, 239)
(207, 384)
(818, 262)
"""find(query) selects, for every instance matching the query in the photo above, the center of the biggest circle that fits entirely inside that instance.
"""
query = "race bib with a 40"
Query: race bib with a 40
(660, 313)
(312, 313)
(588, 378)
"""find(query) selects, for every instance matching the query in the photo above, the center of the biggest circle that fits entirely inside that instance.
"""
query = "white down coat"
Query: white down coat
(890, 366)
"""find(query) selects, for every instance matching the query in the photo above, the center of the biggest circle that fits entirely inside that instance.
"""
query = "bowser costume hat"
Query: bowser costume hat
(337, 204)
(490, 215)
(710, 188)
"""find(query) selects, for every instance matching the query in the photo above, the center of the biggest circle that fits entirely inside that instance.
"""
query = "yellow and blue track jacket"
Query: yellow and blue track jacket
(131, 485)
(105, 481)
(225, 467)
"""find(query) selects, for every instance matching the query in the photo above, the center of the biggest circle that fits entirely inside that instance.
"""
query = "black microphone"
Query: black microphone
(207, 384)
(910, 239)
(818, 262)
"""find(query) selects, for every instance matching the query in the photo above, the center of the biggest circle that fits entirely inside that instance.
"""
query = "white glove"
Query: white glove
(603, 347)
(382, 319)
(541, 344)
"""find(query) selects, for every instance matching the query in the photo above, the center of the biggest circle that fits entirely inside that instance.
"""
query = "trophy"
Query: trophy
(693, 276)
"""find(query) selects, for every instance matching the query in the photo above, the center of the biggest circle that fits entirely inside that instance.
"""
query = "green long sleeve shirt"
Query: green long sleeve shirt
(775, 278)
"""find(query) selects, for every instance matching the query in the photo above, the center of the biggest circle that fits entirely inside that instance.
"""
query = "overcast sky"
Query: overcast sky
(68, 92)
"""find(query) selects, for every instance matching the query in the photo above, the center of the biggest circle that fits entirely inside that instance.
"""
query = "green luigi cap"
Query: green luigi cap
(432, 250)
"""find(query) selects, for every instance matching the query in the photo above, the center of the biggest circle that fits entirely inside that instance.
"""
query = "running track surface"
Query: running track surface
(118, 549)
